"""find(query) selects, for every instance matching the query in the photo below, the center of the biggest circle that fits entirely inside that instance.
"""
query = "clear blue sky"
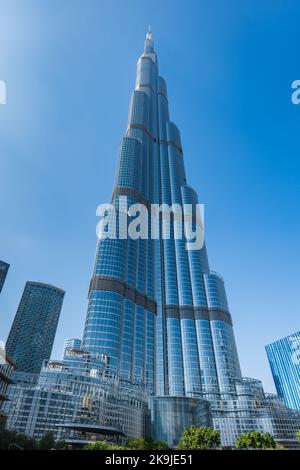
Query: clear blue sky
(69, 67)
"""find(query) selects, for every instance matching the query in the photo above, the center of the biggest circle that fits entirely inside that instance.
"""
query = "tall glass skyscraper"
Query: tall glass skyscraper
(284, 359)
(31, 337)
(155, 308)
(4, 267)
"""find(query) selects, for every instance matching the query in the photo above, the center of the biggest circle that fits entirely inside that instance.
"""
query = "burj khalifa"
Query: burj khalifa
(156, 310)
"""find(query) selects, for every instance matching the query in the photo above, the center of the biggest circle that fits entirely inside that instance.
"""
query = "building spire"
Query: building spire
(149, 43)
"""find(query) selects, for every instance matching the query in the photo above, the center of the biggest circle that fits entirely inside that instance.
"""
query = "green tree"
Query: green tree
(269, 441)
(255, 440)
(199, 438)
(141, 443)
(27, 443)
(61, 444)
(102, 445)
(159, 445)
(138, 443)
(2, 422)
(9, 438)
(47, 442)
(279, 447)
(6, 437)
(298, 435)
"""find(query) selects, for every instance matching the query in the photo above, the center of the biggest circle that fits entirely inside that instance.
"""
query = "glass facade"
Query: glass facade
(4, 267)
(284, 359)
(170, 416)
(251, 409)
(31, 337)
(248, 409)
(76, 400)
(153, 305)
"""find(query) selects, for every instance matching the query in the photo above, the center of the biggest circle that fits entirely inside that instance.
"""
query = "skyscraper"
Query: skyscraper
(4, 267)
(31, 337)
(284, 359)
(145, 289)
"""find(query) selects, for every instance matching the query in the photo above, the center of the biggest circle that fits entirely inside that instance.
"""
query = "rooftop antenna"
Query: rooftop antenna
(149, 33)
